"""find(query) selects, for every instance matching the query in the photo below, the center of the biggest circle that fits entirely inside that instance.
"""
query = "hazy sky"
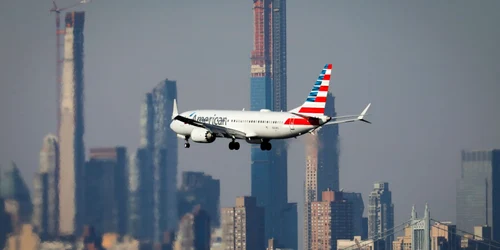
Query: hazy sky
(431, 70)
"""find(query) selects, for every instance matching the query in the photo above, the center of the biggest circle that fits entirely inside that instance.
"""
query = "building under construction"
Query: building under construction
(268, 91)
(71, 128)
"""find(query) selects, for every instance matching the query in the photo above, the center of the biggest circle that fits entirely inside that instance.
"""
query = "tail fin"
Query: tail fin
(316, 101)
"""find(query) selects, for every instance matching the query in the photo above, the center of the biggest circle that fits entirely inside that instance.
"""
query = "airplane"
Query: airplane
(260, 127)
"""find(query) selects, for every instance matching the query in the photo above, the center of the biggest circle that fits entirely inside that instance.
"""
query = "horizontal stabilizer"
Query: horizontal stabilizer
(360, 117)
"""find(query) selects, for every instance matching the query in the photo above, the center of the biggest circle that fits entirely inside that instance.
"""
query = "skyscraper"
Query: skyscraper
(279, 98)
(322, 165)
(157, 137)
(289, 226)
(262, 168)
(260, 72)
(194, 230)
(105, 189)
(478, 192)
(71, 150)
(147, 123)
(268, 91)
(331, 220)
(243, 225)
(279, 56)
(199, 189)
(358, 207)
(100, 203)
(444, 236)
(141, 197)
(13, 190)
(381, 214)
(46, 198)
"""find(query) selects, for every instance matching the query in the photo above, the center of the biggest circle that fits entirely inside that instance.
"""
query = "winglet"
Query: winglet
(175, 112)
(361, 116)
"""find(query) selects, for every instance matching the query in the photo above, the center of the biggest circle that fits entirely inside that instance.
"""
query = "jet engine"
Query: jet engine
(202, 135)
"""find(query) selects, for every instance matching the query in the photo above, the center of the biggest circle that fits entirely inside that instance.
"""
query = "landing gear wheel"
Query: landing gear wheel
(265, 146)
(234, 145)
(186, 145)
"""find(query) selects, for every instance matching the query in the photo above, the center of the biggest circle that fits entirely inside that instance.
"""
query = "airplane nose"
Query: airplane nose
(172, 125)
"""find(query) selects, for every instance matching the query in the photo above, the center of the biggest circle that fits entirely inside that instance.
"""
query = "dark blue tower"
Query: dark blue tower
(268, 91)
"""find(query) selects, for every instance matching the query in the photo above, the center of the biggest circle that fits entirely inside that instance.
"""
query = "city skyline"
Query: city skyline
(303, 71)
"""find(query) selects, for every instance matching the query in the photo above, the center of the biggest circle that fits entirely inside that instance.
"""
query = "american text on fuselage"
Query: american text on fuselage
(215, 120)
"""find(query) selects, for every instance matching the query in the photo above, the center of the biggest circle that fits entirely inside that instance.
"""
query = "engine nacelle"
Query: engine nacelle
(202, 135)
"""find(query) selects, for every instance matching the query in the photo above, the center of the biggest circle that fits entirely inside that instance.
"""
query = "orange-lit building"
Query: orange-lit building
(331, 219)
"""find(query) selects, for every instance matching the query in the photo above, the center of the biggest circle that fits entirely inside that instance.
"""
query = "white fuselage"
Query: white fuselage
(262, 124)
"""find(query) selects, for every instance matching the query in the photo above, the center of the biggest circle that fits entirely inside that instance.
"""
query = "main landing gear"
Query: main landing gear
(234, 145)
(265, 146)
(186, 145)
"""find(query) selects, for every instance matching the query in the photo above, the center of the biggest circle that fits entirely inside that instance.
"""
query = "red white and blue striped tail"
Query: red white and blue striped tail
(315, 102)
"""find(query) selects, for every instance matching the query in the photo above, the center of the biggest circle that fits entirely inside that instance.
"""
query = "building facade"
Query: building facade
(381, 214)
(141, 195)
(147, 129)
(289, 226)
(156, 136)
(478, 192)
(444, 236)
(45, 196)
(243, 225)
(17, 197)
(198, 188)
(71, 129)
(194, 231)
(331, 220)
(358, 208)
(105, 190)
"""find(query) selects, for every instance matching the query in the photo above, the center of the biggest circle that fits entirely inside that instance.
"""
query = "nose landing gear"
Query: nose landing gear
(186, 145)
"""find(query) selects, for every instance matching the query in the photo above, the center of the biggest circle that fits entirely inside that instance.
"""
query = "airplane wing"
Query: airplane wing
(220, 131)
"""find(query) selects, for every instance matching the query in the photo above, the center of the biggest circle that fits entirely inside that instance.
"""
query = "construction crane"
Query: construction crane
(59, 33)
